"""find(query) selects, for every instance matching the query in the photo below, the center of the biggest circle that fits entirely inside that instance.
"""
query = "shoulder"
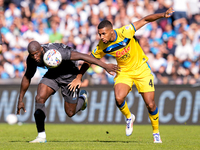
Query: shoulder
(127, 30)
(101, 46)
(30, 61)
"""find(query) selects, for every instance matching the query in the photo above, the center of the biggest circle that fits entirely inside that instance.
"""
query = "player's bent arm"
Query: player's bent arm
(152, 17)
(82, 70)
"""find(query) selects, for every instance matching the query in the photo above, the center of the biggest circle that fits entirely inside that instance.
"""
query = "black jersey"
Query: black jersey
(66, 69)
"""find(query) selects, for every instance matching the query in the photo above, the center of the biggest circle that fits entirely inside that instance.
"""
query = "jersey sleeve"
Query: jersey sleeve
(65, 51)
(30, 63)
(128, 30)
(98, 52)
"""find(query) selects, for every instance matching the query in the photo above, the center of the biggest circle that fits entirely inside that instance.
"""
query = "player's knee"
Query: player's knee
(119, 99)
(151, 106)
(70, 113)
(39, 99)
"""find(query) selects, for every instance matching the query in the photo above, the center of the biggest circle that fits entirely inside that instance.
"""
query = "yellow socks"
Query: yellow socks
(124, 109)
(154, 117)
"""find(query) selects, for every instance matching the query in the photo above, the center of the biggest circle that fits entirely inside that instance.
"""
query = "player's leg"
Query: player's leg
(43, 93)
(121, 91)
(152, 109)
(73, 101)
(144, 82)
(153, 114)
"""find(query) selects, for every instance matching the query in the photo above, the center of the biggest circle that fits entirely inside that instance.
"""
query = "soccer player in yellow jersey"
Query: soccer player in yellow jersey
(130, 57)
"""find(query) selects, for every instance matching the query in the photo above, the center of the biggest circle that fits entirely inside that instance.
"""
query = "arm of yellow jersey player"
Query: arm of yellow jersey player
(150, 18)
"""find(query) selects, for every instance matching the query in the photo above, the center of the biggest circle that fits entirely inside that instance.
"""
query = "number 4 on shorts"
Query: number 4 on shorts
(151, 83)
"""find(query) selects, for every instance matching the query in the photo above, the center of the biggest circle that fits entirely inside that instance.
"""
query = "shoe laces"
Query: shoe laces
(156, 136)
(128, 123)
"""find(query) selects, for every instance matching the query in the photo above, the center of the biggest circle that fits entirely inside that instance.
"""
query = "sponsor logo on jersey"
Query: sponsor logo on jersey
(125, 57)
(121, 53)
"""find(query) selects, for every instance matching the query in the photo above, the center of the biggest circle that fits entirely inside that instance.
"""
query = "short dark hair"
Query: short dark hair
(105, 23)
(33, 46)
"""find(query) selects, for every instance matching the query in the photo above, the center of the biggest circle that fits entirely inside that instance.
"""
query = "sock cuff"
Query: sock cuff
(40, 106)
(122, 105)
(82, 96)
(154, 112)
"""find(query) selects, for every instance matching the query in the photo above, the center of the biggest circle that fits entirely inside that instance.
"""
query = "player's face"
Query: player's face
(106, 34)
(37, 56)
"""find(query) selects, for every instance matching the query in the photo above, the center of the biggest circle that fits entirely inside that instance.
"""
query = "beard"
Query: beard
(41, 62)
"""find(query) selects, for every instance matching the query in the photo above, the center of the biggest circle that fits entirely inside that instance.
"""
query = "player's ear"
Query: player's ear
(42, 50)
(112, 31)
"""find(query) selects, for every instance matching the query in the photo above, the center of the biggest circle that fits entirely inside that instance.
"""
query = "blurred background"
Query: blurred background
(172, 45)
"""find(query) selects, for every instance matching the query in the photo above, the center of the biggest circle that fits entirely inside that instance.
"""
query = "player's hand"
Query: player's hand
(112, 69)
(169, 13)
(76, 83)
(20, 106)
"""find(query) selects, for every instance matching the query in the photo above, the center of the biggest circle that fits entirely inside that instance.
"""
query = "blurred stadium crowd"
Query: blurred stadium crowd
(172, 45)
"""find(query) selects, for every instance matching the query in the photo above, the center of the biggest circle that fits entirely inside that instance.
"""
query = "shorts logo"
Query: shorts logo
(74, 98)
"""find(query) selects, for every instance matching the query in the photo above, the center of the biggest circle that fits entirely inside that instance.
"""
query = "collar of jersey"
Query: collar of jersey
(115, 36)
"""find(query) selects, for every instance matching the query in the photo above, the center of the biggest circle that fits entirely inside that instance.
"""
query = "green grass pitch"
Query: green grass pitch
(99, 137)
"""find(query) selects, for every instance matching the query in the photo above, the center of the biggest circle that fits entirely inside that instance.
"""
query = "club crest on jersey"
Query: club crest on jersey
(127, 27)
(123, 43)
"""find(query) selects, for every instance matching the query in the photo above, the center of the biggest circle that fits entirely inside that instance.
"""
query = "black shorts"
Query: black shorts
(55, 84)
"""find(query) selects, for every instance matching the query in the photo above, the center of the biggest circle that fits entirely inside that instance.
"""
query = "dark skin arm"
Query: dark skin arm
(150, 18)
(76, 83)
(110, 68)
(24, 86)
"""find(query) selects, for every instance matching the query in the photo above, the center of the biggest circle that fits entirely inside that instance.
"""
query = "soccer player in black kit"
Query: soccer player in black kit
(54, 79)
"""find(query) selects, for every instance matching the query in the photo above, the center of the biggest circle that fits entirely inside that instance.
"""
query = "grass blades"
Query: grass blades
(99, 137)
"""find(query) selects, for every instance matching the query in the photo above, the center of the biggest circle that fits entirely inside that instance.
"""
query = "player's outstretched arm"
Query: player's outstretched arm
(150, 18)
(110, 68)
(76, 83)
